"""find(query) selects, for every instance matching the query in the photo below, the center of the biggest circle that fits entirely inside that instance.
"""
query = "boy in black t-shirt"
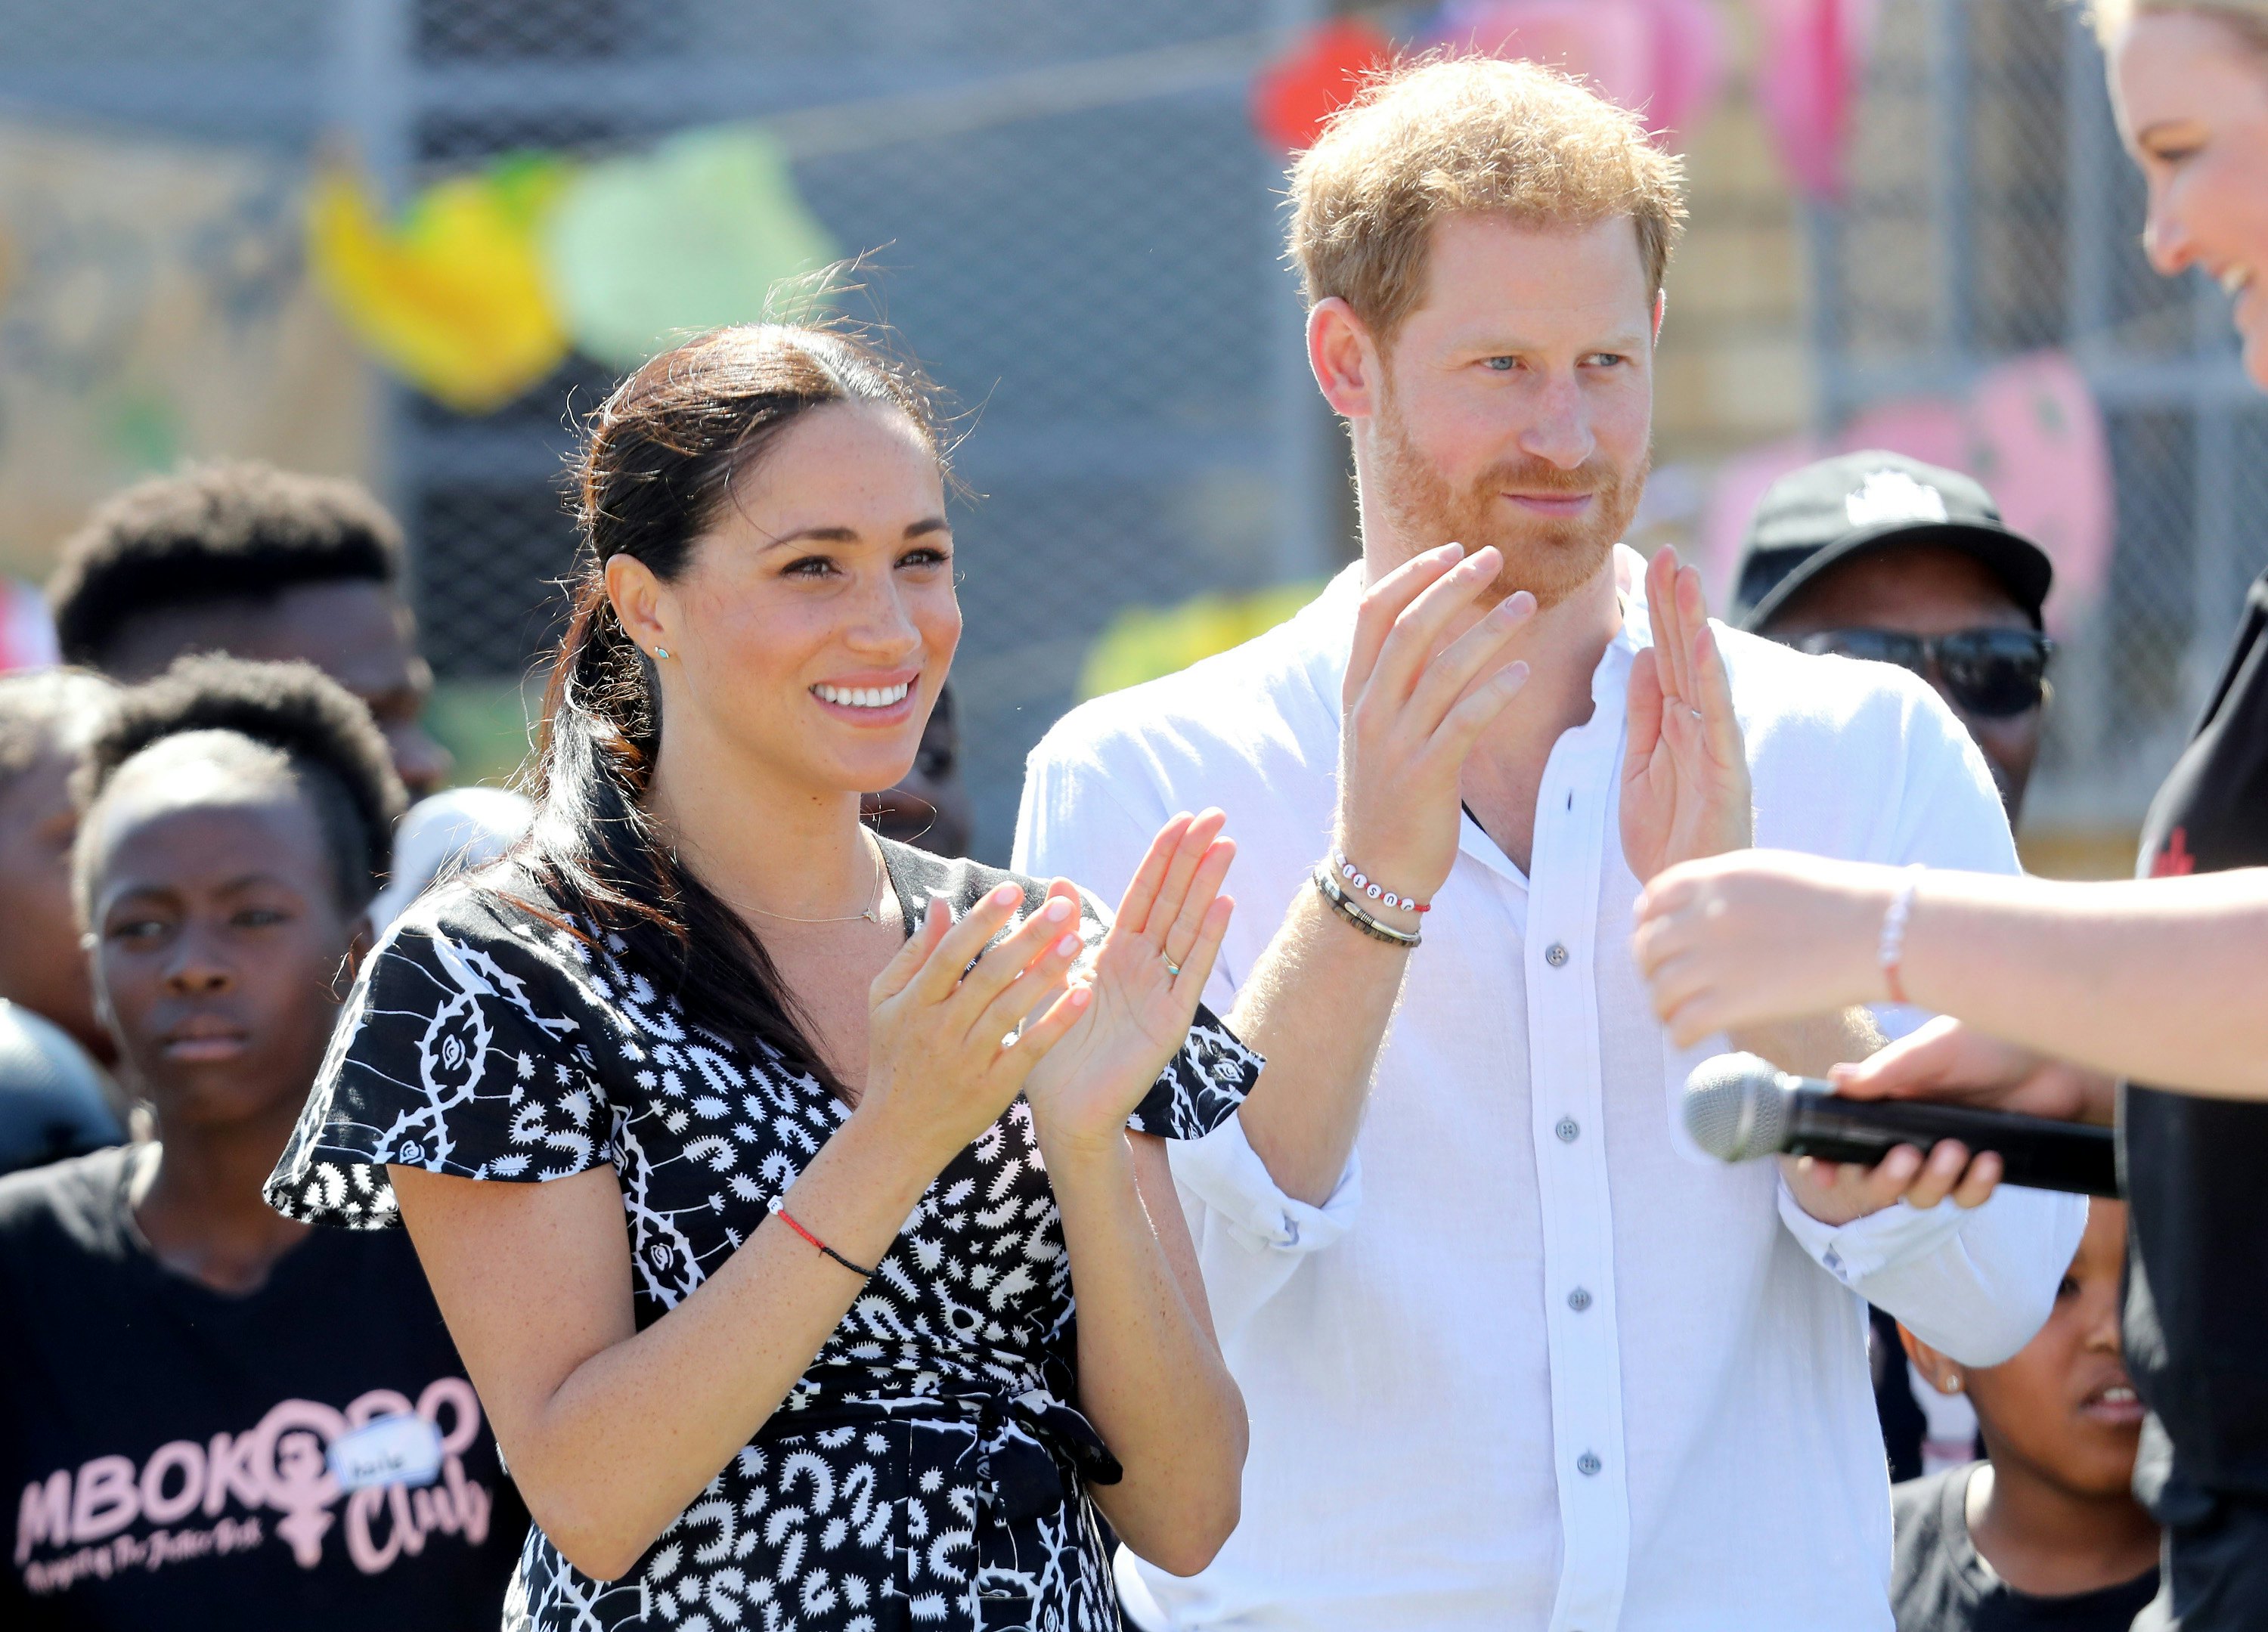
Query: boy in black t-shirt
(2048, 1533)
(209, 1416)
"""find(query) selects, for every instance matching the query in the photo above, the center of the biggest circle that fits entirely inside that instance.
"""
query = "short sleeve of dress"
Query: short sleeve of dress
(463, 1048)
(1202, 1084)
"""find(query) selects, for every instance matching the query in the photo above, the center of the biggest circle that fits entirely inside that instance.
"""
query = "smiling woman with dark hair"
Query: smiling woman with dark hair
(801, 1211)
(217, 1419)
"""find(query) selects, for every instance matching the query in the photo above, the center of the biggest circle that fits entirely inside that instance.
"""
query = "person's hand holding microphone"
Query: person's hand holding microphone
(1739, 941)
(1688, 826)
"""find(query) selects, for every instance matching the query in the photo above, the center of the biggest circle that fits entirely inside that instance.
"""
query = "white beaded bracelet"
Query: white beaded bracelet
(1891, 950)
(1364, 885)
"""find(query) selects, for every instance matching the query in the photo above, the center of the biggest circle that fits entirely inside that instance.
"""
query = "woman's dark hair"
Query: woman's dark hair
(657, 469)
(291, 710)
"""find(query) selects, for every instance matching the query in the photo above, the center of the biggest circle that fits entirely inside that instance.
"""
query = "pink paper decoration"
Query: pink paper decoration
(1663, 59)
(1813, 59)
(1932, 429)
(2041, 451)
(2030, 431)
(27, 635)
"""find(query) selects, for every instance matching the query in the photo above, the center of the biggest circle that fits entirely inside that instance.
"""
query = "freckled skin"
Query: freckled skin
(1925, 589)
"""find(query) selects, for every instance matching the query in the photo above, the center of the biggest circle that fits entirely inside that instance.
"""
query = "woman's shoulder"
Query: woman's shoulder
(507, 917)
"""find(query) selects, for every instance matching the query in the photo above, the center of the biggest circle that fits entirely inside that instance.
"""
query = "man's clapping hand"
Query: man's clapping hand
(1424, 679)
(1685, 771)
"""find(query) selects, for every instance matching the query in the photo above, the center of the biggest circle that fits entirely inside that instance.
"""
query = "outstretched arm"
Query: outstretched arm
(2156, 979)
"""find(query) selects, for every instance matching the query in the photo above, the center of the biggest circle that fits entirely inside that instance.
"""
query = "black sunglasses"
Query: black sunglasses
(1992, 672)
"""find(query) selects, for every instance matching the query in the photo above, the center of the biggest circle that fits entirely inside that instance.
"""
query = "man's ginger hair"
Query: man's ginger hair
(1444, 136)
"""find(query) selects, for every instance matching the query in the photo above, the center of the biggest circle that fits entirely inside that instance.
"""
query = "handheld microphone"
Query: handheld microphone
(1738, 1106)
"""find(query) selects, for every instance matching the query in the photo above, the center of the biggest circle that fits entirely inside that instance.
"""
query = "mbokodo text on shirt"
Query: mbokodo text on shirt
(397, 1467)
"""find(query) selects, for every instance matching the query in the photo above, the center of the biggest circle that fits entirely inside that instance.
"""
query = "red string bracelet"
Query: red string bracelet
(788, 1219)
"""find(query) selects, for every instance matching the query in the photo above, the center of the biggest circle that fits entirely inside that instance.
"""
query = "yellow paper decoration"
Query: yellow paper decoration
(1144, 643)
(453, 296)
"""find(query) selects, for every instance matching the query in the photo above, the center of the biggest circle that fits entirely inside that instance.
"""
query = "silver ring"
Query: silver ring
(1172, 969)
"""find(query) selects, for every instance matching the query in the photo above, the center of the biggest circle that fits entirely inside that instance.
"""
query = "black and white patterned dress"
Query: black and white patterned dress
(928, 1471)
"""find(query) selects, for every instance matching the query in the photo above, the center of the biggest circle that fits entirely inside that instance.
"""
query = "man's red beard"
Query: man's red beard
(1548, 558)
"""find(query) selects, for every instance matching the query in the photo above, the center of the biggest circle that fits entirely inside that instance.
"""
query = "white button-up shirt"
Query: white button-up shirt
(1538, 1363)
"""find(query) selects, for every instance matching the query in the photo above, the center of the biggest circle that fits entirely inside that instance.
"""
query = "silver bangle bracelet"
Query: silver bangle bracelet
(1345, 906)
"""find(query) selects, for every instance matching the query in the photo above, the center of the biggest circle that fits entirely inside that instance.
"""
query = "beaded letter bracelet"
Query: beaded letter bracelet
(1359, 885)
(1345, 906)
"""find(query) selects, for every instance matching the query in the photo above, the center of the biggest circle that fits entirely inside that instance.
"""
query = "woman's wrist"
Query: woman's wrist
(887, 1154)
(1075, 1157)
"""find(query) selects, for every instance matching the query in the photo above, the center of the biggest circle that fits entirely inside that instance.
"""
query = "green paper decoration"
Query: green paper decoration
(693, 235)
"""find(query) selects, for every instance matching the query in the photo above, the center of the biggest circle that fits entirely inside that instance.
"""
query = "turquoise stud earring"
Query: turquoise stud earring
(661, 651)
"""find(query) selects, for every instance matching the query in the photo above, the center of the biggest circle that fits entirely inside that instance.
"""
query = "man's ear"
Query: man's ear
(1661, 311)
(1346, 359)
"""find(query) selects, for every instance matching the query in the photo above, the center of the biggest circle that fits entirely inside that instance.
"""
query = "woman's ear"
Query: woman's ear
(641, 603)
(358, 944)
(89, 946)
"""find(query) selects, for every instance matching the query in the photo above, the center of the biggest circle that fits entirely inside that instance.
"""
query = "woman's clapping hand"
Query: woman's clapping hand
(944, 1055)
(1142, 984)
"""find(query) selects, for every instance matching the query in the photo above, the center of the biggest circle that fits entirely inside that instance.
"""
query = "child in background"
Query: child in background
(2047, 1533)
(211, 1416)
(56, 1098)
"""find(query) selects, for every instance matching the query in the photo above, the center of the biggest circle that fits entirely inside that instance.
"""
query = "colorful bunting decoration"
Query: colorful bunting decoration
(1814, 58)
(1664, 60)
(1295, 95)
(453, 296)
(693, 235)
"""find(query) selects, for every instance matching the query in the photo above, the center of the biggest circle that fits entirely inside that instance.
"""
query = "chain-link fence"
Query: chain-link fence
(1992, 213)
(1071, 226)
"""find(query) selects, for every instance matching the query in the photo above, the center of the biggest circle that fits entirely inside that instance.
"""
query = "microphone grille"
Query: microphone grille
(1733, 1108)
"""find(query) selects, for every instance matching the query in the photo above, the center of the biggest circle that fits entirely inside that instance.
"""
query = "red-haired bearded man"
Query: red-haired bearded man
(1515, 1356)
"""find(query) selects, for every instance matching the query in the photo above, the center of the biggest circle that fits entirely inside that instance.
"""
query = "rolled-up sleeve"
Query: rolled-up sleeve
(1974, 1283)
(1250, 1236)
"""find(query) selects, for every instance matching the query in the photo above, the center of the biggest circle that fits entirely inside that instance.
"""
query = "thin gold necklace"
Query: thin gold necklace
(872, 915)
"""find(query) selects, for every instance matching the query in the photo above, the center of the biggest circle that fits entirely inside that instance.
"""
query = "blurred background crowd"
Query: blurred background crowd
(409, 241)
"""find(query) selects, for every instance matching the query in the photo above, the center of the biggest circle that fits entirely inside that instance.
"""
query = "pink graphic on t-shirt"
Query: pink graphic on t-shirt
(281, 1466)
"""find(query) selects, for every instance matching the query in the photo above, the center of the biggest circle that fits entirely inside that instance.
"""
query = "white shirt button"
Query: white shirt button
(1556, 955)
(1568, 1129)
(1578, 1300)
(1587, 1464)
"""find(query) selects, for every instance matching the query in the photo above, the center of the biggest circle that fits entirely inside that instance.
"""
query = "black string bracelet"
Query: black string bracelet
(789, 1218)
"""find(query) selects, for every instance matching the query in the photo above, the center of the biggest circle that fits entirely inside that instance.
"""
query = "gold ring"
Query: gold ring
(1172, 969)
